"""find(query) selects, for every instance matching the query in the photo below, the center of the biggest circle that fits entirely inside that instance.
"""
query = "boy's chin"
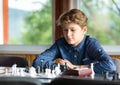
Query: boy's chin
(71, 44)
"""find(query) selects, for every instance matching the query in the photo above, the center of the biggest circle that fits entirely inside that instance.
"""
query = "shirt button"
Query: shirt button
(99, 50)
(75, 56)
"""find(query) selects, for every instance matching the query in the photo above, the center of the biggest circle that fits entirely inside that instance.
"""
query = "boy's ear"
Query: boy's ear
(85, 29)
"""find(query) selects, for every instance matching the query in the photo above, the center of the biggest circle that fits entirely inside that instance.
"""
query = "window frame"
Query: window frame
(5, 21)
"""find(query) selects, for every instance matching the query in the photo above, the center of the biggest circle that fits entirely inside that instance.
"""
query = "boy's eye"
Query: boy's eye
(72, 30)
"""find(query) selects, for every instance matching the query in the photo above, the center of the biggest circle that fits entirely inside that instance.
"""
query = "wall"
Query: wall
(31, 57)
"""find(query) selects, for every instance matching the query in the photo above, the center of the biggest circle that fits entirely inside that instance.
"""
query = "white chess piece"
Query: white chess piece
(93, 73)
(22, 72)
(57, 70)
(48, 72)
(17, 72)
(53, 73)
(33, 71)
(14, 69)
(6, 71)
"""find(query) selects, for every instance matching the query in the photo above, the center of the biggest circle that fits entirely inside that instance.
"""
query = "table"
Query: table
(44, 78)
(23, 72)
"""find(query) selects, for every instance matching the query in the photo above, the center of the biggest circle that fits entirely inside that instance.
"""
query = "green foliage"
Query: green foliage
(38, 26)
(104, 19)
(103, 24)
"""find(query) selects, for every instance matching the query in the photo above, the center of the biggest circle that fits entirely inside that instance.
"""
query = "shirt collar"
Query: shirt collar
(81, 44)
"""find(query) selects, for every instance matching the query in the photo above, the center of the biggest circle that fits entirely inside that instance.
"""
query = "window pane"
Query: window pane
(104, 19)
(30, 22)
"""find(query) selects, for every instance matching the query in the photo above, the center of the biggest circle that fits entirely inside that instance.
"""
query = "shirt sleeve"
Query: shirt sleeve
(46, 57)
(102, 61)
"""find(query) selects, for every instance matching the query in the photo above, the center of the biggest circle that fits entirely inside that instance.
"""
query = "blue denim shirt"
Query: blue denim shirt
(88, 51)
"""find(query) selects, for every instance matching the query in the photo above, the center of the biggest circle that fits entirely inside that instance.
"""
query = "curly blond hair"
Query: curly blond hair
(73, 16)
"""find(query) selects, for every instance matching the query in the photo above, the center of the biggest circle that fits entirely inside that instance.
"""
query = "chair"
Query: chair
(72, 80)
(117, 63)
(19, 81)
(9, 60)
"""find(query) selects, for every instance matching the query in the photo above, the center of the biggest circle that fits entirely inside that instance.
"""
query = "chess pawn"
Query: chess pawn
(57, 70)
(17, 72)
(32, 71)
(48, 72)
(6, 71)
(106, 73)
(53, 71)
(38, 69)
(22, 72)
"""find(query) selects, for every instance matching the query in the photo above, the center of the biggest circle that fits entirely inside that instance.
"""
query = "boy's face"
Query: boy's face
(73, 33)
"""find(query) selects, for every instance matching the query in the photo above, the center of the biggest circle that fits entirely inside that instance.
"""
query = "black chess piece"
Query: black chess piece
(115, 76)
(27, 69)
(41, 66)
(53, 67)
(38, 69)
(106, 73)
(65, 67)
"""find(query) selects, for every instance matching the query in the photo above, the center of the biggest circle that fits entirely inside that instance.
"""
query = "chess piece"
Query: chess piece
(22, 72)
(27, 69)
(41, 66)
(57, 70)
(32, 71)
(115, 76)
(14, 69)
(6, 71)
(93, 73)
(53, 71)
(48, 70)
(38, 69)
(106, 75)
(65, 67)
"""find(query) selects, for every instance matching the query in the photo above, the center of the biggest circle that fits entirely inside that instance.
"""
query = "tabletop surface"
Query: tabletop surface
(45, 77)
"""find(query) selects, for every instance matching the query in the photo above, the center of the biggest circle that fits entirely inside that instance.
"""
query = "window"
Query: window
(29, 22)
(57, 7)
(104, 19)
